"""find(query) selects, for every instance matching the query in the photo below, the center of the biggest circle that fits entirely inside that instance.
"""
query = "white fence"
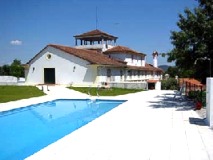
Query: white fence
(11, 80)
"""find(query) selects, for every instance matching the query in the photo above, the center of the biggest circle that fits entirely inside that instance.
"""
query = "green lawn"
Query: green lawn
(105, 92)
(11, 93)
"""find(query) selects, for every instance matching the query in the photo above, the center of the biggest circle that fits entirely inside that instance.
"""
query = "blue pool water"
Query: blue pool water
(26, 130)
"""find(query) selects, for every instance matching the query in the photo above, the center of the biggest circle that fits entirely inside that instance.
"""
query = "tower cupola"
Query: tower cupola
(95, 40)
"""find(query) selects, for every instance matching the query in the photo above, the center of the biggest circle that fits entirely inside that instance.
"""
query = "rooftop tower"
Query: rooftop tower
(95, 40)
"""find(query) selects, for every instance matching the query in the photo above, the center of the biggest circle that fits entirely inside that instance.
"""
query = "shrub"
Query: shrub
(198, 96)
(169, 84)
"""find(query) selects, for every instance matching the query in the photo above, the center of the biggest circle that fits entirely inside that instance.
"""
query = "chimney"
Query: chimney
(155, 59)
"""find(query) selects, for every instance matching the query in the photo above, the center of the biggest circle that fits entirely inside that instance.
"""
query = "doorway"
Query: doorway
(49, 75)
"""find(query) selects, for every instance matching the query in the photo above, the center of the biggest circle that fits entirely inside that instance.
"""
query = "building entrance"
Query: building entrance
(49, 75)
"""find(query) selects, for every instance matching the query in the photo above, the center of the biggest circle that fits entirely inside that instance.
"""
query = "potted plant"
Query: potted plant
(198, 105)
(198, 97)
(200, 100)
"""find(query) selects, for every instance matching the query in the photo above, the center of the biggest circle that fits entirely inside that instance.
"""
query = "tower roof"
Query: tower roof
(96, 35)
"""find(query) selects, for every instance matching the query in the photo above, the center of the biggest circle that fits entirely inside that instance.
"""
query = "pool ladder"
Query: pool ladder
(88, 92)
(98, 87)
(97, 90)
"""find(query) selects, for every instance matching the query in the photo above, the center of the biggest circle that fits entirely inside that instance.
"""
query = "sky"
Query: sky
(27, 26)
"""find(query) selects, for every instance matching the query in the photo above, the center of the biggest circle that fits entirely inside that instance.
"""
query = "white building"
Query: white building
(96, 60)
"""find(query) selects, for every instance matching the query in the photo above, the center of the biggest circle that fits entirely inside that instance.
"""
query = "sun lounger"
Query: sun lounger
(180, 93)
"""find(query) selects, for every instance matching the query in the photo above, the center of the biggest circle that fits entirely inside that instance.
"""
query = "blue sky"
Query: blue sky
(27, 26)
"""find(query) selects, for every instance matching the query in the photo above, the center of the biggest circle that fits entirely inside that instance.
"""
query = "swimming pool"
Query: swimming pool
(27, 130)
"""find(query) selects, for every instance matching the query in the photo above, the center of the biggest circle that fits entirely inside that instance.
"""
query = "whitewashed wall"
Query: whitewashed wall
(68, 68)
(101, 74)
(116, 75)
(128, 75)
(132, 60)
(209, 102)
(158, 85)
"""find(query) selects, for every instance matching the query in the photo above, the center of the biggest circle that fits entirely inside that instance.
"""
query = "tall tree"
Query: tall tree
(16, 69)
(193, 43)
(5, 70)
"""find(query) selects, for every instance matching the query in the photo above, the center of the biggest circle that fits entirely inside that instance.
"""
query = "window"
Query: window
(48, 56)
(108, 75)
(130, 74)
(108, 72)
(121, 75)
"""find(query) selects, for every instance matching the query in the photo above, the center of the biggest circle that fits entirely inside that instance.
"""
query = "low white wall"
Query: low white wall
(8, 80)
(129, 85)
(11, 80)
(209, 102)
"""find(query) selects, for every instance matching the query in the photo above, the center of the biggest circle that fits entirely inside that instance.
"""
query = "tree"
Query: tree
(17, 69)
(194, 41)
(172, 71)
(169, 84)
(175, 71)
(5, 70)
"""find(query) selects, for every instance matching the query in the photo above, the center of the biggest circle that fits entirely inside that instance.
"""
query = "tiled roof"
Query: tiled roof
(94, 33)
(147, 67)
(93, 57)
(153, 68)
(122, 49)
(152, 81)
(192, 81)
(98, 58)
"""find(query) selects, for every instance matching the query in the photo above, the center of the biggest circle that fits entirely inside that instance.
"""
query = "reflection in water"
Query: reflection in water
(31, 128)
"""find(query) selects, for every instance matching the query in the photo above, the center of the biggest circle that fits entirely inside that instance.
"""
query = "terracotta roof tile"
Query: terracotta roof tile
(191, 81)
(122, 49)
(151, 66)
(98, 58)
(152, 81)
(147, 67)
(93, 57)
(95, 33)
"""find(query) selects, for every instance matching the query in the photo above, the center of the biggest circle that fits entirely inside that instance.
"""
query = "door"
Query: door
(49, 75)
(108, 75)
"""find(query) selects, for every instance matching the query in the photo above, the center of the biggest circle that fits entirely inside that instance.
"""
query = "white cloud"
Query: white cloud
(16, 42)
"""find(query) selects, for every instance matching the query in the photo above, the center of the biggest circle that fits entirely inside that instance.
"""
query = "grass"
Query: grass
(12, 93)
(105, 92)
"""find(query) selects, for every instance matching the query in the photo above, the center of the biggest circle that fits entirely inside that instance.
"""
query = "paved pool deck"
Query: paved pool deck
(151, 125)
